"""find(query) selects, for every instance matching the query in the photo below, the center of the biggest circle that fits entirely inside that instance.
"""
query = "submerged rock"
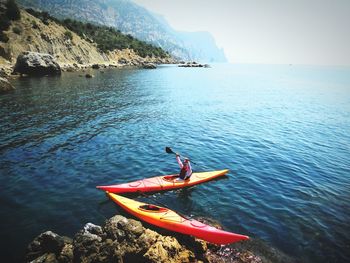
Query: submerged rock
(38, 64)
(89, 76)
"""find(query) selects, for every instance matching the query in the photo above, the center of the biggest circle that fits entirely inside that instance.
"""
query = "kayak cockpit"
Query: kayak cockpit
(170, 178)
(174, 179)
(152, 208)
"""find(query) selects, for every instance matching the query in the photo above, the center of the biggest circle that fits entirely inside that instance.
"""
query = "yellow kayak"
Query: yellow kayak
(168, 219)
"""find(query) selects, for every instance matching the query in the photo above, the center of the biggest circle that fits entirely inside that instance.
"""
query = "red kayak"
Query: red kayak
(168, 219)
(160, 183)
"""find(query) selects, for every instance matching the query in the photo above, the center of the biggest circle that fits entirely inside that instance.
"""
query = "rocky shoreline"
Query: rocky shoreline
(8, 70)
(126, 240)
(41, 64)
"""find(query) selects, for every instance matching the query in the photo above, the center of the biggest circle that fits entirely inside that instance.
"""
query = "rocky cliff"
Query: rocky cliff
(31, 34)
(135, 20)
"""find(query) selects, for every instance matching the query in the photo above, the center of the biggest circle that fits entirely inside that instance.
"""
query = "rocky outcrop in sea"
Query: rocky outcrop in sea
(193, 65)
(126, 240)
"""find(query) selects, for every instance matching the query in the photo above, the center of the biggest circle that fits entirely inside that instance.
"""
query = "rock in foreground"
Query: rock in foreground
(119, 240)
(36, 64)
(126, 240)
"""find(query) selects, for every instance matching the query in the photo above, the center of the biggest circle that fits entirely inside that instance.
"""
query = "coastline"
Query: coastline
(126, 58)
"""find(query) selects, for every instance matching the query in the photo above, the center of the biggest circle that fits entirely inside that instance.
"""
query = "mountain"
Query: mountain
(72, 44)
(202, 46)
(135, 20)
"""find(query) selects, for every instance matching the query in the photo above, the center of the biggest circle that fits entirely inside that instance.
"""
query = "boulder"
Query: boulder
(95, 66)
(38, 64)
(122, 61)
(70, 69)
(167, 249)
(87, 243)
(114, 227)
(47, 244)
(4, 73)
(5, 53)
(5, 85)
(66, 254)
(89, 76)
(149, 66)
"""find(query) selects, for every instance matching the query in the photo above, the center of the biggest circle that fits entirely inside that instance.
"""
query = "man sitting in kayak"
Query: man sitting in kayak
(186, 169)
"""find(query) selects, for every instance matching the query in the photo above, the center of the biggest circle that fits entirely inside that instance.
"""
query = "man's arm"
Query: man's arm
(179, 161)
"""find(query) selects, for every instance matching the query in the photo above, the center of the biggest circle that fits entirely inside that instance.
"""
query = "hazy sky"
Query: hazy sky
(267, 31)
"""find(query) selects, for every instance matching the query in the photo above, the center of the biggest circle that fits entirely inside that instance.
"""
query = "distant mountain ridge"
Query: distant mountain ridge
(202, 46)
(135, 20)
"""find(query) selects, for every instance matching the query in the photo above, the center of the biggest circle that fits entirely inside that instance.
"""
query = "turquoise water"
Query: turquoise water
(283, 131)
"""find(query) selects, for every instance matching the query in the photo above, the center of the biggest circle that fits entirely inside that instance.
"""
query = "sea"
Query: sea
(283, 131)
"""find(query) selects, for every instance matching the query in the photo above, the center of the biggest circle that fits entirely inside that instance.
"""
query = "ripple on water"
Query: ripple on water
(285, 140)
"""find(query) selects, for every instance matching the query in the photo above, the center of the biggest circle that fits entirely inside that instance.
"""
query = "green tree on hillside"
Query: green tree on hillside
(12, 11)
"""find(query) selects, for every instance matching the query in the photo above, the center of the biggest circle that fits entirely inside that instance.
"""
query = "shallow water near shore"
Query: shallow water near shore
(283, 131)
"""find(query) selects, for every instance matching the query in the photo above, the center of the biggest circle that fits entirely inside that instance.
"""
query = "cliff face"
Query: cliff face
(135, 20)
(31, 34)
(35, 36)
(202, 46)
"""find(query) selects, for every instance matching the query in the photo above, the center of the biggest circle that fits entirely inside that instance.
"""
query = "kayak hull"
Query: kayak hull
(162, 183)
(170, 220)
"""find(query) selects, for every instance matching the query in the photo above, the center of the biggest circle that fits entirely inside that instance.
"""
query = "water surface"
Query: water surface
(283, 131)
